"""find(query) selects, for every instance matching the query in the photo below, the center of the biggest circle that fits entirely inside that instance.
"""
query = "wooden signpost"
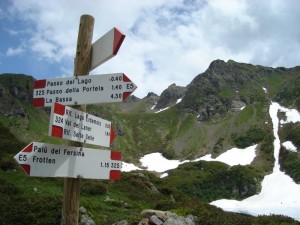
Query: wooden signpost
(74, 124)
(82, 63)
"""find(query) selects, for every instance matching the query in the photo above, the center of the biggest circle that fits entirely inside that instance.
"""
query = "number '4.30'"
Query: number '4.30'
(116, 96)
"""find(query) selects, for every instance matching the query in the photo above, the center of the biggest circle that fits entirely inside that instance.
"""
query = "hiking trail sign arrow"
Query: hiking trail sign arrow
(47, 160)
(79, 90)
(106, 47)
(75, 125)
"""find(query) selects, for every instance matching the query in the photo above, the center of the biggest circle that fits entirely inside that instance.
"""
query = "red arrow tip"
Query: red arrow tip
(118, 40)
(26, 168)
(126, 95)
(28, 148)
(125, 78)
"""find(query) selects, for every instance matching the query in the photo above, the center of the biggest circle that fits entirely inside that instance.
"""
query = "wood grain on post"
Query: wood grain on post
(82, 62)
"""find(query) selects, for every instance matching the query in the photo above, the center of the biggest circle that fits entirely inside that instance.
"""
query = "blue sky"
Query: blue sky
(167, 41)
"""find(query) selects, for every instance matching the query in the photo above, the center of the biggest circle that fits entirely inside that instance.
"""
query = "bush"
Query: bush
(208, 181)
(211, 215)
(9, 143)
(169, 153)
(164, 205)
(93, 187)
(275, 219)
(292, 134)
(290, 162)
(219, 145)
(38, 210)
(7, 163)
(267, 145)
(8, 188)
(252, 136)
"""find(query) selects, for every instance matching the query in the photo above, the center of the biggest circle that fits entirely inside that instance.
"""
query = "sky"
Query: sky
(279, 193)
(167, 41)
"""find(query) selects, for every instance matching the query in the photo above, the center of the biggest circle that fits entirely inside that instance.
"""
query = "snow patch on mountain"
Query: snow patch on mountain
(289, 146)
(234, 156)
(279, 194)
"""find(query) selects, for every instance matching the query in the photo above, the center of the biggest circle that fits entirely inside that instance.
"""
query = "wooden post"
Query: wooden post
(82, 62)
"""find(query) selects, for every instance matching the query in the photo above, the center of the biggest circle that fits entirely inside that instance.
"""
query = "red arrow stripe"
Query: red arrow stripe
(115, 155)
(38, 102)
(115, 175)
(39, 84)
(57, 131)
(26, 168)
(59, 108)
(28, 148)
(118, 39)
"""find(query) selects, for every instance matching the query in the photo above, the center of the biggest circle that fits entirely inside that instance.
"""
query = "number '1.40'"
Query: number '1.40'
(116, 87)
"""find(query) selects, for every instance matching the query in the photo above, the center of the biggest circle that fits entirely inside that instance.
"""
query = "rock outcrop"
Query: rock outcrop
(224, 86)
(10, 107)
(157, 217)
(84, 217)
(170, 96)
(13, 90)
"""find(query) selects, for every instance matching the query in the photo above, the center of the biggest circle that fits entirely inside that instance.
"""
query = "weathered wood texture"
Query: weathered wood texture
(82, 62)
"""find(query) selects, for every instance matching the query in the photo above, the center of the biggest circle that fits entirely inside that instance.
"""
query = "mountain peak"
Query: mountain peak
(151, 94)
(170, 96)
(216, 64)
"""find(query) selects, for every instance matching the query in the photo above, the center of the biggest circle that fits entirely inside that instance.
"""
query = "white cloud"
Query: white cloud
(14, 51)
(168, 41)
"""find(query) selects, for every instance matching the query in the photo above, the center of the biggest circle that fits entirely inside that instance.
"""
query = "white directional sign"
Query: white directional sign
(106, 47)
(46, 160)
(80, 90)
(71, 124)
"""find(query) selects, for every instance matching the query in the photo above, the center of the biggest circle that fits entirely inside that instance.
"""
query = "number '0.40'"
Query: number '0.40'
(116, 78)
